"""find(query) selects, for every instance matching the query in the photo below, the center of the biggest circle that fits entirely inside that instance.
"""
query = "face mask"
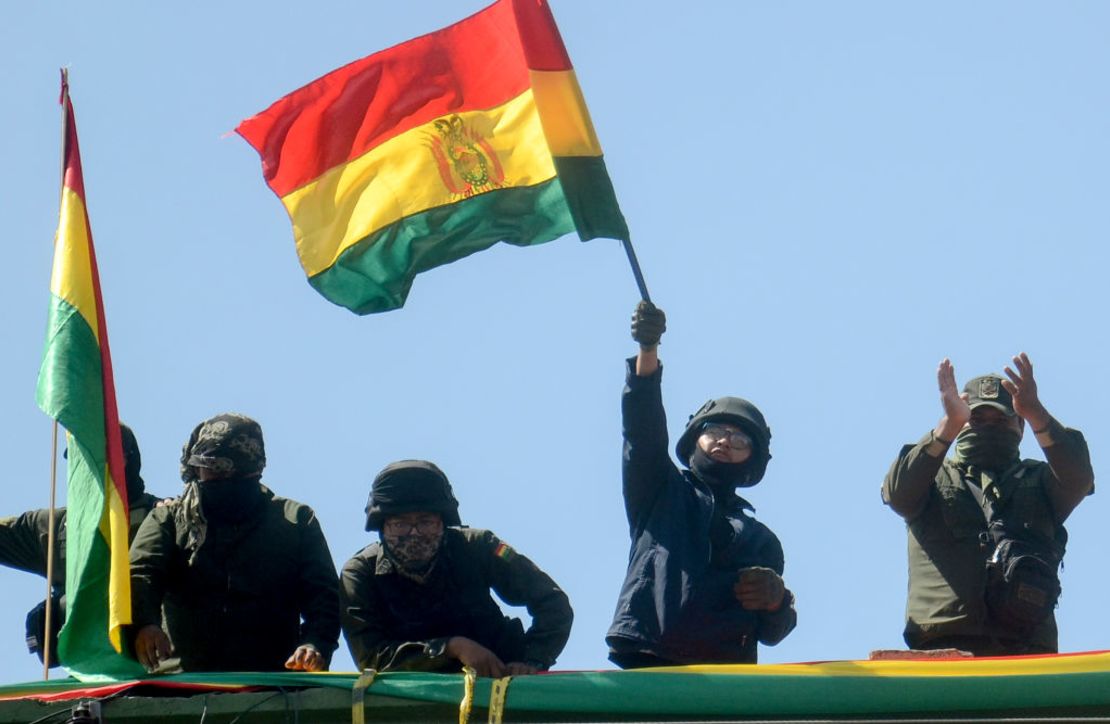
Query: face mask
(716, 473)
(229, 500)
(993, 447)
(414, 552)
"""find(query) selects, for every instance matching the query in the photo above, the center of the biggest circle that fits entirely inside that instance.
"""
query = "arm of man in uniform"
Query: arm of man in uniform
(646, 460)
(150, 560)
(1072, 477)
(318, 599)
(520, 582)
(23, 542)
(907, 484)
(367, 631)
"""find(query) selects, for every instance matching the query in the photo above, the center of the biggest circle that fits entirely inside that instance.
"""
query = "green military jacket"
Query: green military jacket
(23, 538)
(948, 545)
(250, 596)
(392, 622)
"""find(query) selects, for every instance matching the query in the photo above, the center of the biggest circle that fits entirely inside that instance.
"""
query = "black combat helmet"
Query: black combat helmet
(744, 415)
(407, 486)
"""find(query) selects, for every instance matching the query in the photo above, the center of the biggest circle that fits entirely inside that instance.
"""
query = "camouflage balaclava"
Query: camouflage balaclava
(231, 446)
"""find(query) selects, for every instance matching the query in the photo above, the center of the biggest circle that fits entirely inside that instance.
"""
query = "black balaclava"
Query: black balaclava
(718, 474)
(132, 464)
(230, 500)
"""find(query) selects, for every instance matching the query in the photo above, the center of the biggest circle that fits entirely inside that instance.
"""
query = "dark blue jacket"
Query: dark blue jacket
(677, 601)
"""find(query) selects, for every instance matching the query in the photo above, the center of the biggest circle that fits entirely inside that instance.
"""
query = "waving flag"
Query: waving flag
(75, 387)
(432, 150)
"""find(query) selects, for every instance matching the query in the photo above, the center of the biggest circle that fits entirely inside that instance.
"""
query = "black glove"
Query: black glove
(759, 589)
(648, 324)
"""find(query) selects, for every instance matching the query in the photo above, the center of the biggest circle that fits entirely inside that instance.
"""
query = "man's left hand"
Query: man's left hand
(305, 658)
(759, 589)
(519, 668)
(1023, 388)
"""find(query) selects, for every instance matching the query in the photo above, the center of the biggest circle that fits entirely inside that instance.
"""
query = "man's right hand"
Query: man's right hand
(152, 646)
(956, 410)
(478, 657)
(648, 324)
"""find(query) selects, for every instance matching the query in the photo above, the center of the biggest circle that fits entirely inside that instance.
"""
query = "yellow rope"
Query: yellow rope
(469, 677)
(358, 696)
(497, 695)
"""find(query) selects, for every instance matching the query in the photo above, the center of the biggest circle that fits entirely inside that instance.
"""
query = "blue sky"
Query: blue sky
(826, 198)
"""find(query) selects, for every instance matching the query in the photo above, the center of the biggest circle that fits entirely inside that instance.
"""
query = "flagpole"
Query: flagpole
(46, 652)
(51, 519)
(627, 243)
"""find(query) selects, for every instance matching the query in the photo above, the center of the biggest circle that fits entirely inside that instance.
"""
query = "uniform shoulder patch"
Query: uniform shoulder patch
(504, 551)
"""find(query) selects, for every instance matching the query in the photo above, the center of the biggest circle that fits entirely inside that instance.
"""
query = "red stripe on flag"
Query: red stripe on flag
(474, 64)
(543, 46)
(74, 180)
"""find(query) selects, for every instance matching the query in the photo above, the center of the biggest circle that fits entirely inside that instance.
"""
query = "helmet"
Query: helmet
(407, 486)
(738, 412)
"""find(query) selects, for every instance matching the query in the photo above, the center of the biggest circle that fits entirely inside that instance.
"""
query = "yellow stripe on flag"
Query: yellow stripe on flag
(71, 277)
(402, 177)
(566, 122)
(115, 527)
(1002, 666)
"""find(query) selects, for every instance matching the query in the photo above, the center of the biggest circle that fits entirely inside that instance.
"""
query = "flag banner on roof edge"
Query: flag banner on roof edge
(76, 388)
(432, 150)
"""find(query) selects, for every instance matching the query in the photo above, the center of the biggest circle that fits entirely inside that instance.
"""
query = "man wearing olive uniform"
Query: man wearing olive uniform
(945, 503)
(243, 577)
(420, 598)
(23, 538)
(704, 581)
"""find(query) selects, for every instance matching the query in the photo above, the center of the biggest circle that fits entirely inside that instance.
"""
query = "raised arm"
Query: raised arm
(906, 486)
(646, 460)
(1072, 477)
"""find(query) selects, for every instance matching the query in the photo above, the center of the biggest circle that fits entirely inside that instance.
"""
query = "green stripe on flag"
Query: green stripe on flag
(70, 386)
(70, 389)
(590, 196)
(375, 274)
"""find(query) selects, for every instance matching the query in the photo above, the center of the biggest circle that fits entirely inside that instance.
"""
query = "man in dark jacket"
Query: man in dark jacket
(23, 540)
(946, 503)
(242, 578)
(420, 598)
(704, 581)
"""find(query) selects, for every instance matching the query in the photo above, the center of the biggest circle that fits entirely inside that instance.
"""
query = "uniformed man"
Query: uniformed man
(420, 598)
(23, 543)
(242, 578)
(704, 581)
(985, 527)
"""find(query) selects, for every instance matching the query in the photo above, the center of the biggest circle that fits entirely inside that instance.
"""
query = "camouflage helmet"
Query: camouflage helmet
(735, 411)
(408, 486)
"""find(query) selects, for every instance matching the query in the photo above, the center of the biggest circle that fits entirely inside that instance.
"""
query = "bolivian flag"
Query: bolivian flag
(432, 150)
(76, 388)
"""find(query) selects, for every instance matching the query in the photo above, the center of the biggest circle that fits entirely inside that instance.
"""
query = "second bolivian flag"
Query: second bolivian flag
(432, 150)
